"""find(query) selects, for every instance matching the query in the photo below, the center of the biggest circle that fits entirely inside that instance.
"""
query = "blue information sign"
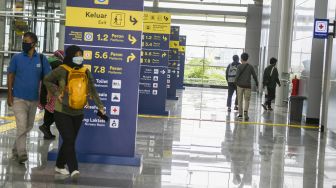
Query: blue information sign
(180, 68)
(154, 64)
(109, 32)
(173, 62)
(321, 28)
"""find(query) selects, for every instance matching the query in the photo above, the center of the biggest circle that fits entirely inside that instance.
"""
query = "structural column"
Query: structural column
(314, 84)
(2, 37)
(253, 29)
(155, 5)
(286, 27)
(61, 35)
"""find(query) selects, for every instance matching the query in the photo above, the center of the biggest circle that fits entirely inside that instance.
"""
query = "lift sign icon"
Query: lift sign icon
(321, 28)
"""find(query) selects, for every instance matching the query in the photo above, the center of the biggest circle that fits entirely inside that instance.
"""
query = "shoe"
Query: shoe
(264, 106)
(46, 132)
(75, 174)
(270, 108)
(240, 117)
(22, 158)
(63, 171)
(235, 108)
(229, 110)
(246, 117)
(52, 137)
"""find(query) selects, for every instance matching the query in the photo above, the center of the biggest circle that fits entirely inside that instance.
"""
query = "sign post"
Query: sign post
(174, 45)
(154, 64)
(180, 68)
(109, 32)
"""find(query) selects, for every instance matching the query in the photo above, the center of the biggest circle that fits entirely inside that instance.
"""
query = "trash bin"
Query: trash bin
(296, 107)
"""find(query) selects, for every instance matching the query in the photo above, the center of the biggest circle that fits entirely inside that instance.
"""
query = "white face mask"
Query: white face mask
(77, 60)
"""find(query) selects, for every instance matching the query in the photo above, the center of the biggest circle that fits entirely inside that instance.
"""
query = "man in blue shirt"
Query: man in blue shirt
(25, 72)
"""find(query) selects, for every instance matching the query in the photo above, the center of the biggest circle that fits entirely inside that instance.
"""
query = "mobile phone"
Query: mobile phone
(103, 116)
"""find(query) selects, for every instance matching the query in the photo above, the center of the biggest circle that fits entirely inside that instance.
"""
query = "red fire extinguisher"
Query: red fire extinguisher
(295, 86)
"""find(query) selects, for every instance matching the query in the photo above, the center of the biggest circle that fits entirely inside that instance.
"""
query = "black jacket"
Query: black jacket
(271, 78)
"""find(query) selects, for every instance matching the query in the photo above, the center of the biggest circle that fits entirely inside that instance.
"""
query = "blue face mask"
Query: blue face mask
(77, 60)
(26, 46)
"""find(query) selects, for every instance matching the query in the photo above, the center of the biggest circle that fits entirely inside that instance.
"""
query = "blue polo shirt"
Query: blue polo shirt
(28, 73)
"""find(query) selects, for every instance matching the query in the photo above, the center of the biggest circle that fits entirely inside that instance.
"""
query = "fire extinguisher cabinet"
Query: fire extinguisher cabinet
(296, 108)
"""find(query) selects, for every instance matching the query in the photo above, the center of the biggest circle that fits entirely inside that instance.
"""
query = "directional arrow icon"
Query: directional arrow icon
(164, 54)
(166, 18)
(163, 72)
(133, 20)
(132, 39)
(165, 38)
(131, 58)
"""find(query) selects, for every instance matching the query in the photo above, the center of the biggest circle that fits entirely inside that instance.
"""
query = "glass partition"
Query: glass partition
(206, 66)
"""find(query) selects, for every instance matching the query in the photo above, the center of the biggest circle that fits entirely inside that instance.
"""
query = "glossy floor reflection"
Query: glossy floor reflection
(187, 152)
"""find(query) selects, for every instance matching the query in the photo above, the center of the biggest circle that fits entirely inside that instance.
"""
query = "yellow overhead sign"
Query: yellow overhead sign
(157, 23)
(182, 49)
(104, 18)
(174, 44)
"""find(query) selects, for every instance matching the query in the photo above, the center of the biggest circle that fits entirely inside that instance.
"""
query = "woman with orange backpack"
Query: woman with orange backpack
(75, 84)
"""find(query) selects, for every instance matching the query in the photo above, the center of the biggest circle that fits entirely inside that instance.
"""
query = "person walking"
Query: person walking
(270, 81)
(243, 82)
(25, 72)
(231, 72)
(69, 106)
(49, 104)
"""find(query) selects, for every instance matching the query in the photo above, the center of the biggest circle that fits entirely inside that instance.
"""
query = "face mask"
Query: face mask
(26, 47)
(77, 60)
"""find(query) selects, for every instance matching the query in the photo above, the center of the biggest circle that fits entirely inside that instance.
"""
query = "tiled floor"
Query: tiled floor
(187, 152)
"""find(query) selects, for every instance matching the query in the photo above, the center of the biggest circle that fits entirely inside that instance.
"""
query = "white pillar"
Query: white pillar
(155, 5)
(2, 37)
(2, 25)
(286, 27)
(326, 82)
(61, 34)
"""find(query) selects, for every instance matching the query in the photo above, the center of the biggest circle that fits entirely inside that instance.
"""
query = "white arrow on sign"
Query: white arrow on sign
(163, 72)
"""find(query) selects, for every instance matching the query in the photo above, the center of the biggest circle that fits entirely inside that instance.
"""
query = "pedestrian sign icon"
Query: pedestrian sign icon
(118, 19)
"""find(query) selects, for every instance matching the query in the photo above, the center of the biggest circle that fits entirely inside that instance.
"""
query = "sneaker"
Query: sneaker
(63, 171)
(246, 117)
(270, 108)
(240, 117)
(229, 110)
(75, 174)
(22, 158)
(46, 132)
(236, 108)
(264, 106)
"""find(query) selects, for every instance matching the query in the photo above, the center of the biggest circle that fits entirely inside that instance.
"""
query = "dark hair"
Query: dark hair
(235, 58)
(273, 61)
(244, 56)
(31, 35)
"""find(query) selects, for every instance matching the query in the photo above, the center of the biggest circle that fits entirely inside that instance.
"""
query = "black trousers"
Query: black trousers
(68, 127)
(232, 89)
(270, 96)
(48, 118)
